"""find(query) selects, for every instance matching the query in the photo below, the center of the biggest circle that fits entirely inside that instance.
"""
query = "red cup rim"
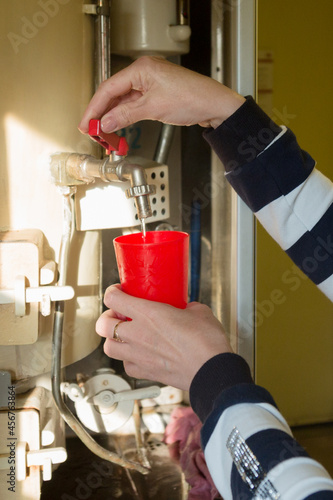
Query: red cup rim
(125, 238)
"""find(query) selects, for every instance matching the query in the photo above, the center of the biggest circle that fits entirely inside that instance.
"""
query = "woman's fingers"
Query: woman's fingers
(106, 97)
(125, 305)
(106, 322)
(161, 342)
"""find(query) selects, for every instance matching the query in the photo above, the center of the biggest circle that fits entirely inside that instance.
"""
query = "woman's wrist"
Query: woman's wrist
(233, 102)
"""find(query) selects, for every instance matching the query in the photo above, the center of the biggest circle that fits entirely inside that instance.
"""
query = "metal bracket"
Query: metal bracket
(97, 10)
(89, 9)
(20, 296)
(44, 458)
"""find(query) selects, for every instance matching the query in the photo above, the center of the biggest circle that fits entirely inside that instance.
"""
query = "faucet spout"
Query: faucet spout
(139, 190)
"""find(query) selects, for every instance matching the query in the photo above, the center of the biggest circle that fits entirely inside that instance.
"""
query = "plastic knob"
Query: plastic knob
(111, 142)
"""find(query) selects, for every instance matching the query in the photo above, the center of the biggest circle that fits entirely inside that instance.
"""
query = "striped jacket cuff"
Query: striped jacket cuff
(206, 386)
(245, 134)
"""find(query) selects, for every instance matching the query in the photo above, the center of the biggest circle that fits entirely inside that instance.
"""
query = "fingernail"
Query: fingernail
(108, 125)
(81, 129)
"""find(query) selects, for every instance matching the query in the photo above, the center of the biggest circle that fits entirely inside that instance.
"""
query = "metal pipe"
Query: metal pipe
(164, 143)
(102, 42)
(183, 12)
(142, 451)
(67, 415)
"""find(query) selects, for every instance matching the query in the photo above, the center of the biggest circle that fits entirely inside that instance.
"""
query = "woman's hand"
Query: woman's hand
(161, 343)
(152, 88)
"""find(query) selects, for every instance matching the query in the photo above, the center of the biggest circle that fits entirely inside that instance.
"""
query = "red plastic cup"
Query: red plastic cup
(154, 267)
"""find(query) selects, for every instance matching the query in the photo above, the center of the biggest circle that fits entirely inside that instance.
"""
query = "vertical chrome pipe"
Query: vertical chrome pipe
(102, 42)
(183, 12)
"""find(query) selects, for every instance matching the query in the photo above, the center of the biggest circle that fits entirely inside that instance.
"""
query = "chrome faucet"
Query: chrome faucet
(72, 169)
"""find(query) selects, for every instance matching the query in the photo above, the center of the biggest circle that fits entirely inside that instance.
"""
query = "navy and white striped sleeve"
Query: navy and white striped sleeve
(248, 445)
(281, 185)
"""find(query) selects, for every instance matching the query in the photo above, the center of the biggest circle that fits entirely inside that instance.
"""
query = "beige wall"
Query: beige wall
(46, 69)
(294, 348)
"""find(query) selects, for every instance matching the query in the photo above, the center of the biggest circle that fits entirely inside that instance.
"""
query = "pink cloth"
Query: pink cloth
(182, 435)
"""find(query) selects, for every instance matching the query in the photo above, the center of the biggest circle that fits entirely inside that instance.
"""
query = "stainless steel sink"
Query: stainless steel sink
(84, 476)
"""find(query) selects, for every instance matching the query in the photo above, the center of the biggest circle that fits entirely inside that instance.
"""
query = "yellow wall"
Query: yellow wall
(294, 346)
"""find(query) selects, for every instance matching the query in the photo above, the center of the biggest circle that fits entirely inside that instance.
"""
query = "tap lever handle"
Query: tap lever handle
(111, 142)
